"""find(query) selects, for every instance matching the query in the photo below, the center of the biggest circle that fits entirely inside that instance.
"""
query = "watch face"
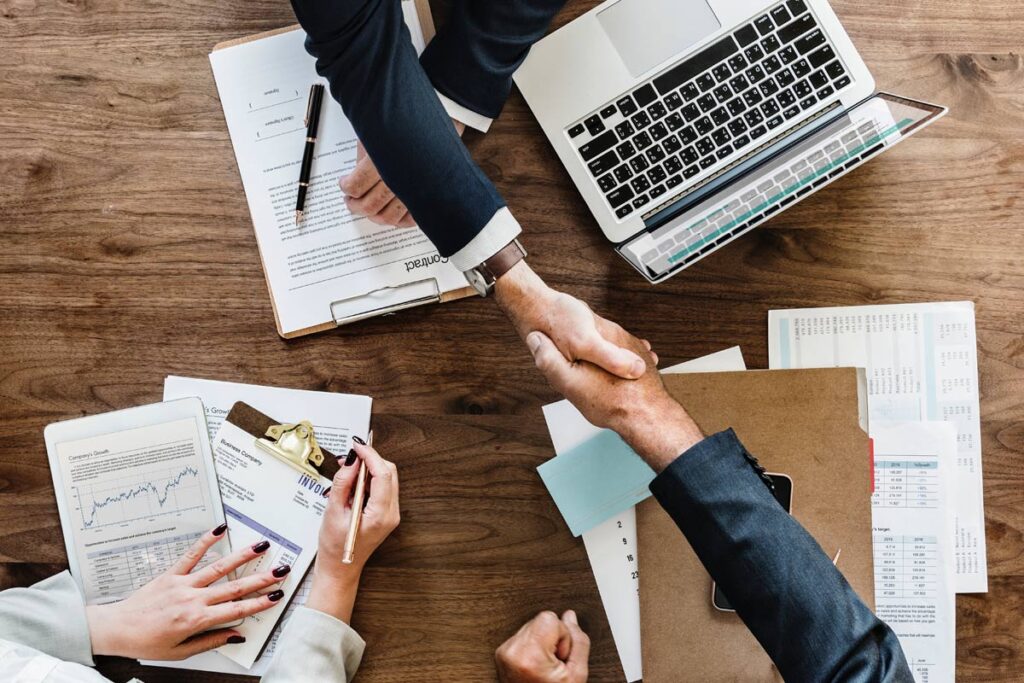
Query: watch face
(476, 279)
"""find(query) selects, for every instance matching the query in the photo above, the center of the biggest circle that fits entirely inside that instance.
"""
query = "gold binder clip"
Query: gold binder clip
(296, 445)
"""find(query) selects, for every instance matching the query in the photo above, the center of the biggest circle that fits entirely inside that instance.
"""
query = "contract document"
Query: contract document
(332, 267)
(922, 364)
(912, 516)
(611, 545)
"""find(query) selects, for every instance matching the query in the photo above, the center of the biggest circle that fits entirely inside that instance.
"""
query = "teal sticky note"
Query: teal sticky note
(596, 480)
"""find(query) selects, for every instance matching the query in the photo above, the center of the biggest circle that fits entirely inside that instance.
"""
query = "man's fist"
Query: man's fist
(545, 650)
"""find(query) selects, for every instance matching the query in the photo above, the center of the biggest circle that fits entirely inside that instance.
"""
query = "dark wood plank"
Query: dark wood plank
(127, 254)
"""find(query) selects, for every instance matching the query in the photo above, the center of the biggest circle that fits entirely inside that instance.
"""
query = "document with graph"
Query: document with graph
(135, 488)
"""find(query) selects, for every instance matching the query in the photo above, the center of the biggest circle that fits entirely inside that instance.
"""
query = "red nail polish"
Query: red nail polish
(358, 441)
(261, 547)
(275, 596)
(281, 571)
(221, 529)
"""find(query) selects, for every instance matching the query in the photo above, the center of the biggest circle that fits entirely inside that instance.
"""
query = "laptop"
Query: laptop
(687, 123)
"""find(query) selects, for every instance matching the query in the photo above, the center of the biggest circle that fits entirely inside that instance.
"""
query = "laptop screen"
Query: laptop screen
(779, 176)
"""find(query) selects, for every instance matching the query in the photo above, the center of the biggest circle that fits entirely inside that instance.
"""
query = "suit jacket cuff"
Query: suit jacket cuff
(50, 617)
(315, 646)
(499, 231)
(465, 115)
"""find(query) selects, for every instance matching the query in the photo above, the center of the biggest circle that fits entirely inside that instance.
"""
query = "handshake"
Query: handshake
(612, 378)
(607, 373)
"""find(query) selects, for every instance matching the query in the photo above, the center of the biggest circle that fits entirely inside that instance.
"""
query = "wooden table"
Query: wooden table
(127, 254)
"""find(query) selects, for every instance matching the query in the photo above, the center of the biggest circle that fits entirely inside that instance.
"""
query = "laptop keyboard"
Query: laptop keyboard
(715, 106)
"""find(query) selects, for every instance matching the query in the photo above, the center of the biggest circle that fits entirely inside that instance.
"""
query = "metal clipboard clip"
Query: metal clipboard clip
(295, 444)
(385, 300)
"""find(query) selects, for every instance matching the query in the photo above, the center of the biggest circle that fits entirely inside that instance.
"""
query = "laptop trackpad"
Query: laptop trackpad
(648, 32)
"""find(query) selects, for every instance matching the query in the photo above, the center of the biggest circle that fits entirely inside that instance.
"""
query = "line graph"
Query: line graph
(147, 495)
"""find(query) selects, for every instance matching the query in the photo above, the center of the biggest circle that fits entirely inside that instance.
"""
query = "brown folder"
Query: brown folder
(803, 423)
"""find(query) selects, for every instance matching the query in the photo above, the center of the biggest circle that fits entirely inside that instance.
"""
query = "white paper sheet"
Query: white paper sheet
(611, 546)
(266, 499)
(331, 256)
(335, 418)
(921, 362)
(912, 516)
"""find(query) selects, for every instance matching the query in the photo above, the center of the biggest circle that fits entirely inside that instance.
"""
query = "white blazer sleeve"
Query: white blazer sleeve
(315, 647)
(49, 617)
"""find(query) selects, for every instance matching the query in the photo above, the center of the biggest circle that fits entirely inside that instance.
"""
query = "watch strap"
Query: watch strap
(502, 262)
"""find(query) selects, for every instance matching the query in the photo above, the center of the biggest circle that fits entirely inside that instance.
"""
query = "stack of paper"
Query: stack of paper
(922, 387)
(611, 544)
(335, 417)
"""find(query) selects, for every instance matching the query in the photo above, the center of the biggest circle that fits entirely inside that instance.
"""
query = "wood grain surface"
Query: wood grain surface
(127, 254)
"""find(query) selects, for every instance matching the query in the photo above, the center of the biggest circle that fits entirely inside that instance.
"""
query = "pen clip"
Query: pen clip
(309, 105)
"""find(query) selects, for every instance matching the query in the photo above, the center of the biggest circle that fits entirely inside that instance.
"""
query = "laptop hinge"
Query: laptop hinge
(752, 160)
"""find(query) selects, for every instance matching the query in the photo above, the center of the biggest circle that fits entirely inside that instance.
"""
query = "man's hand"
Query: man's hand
(367, 195)
(641, 411)
(577, 332)
(545, 650)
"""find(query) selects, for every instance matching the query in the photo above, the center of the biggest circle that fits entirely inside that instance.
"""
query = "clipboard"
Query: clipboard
(299, 441)
(383, 300)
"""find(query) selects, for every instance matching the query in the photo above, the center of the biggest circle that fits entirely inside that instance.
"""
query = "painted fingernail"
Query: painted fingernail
(281, 571)
(327, 491)
(236, 639)
(261, 547)
(351, 458)
(275, 596)
(221, 529)
(358, 441)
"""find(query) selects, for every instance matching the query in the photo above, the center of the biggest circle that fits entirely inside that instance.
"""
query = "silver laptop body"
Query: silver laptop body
(686, 123)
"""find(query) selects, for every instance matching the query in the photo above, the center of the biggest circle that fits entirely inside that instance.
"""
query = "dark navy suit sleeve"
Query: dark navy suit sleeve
(363, 49)
(782, 584)
(473, 56)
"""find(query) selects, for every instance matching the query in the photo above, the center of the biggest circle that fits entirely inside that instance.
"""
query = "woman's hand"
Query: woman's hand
(334, 583)
(171, 616)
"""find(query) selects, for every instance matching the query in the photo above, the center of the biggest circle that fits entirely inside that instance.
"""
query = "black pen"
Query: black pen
(316, 97)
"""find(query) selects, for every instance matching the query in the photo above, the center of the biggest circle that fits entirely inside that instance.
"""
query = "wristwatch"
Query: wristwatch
(487, 273)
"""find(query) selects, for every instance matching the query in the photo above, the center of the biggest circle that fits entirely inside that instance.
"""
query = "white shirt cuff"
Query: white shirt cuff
(465, 115)
(499, 231)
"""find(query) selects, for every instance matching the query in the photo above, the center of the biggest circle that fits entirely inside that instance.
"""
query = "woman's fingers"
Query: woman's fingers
(384, 481)
(208, 641)
(226, 565)
(187, 562)
(239, 588)
(343, 483)
(227, 612)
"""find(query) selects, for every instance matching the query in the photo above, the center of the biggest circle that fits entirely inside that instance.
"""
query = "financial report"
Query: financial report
(135, 489)
(922, 364)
